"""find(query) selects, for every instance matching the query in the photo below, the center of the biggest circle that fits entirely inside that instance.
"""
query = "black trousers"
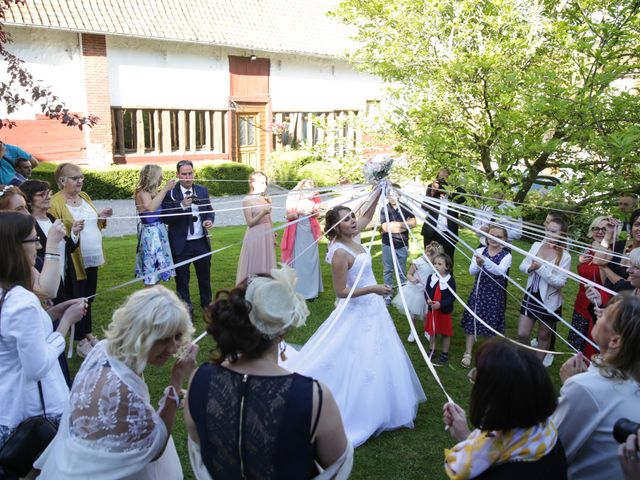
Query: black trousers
(203, 272)
(87, 288)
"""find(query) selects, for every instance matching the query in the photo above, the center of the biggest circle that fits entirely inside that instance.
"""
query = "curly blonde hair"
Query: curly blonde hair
(147, 316)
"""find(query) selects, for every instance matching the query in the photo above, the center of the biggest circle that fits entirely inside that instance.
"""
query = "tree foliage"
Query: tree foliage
(22, 89)
(505, 90)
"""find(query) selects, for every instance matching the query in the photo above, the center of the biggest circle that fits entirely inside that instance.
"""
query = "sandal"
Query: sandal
(466, 360)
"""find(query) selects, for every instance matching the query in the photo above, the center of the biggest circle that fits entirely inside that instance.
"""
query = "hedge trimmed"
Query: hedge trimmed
(120, 183)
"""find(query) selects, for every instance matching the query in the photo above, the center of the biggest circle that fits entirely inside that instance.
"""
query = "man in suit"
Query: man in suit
(438, 227)
(188, 233)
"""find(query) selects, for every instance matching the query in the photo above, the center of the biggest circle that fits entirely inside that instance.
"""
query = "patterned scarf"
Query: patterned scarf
(481, 450)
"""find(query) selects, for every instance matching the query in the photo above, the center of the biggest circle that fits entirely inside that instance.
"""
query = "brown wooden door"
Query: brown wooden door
(249, 139)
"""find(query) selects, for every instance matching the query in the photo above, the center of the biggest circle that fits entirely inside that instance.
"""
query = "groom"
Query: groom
(188, 233)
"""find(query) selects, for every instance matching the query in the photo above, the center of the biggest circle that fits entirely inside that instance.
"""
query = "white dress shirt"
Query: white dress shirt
(198, 231)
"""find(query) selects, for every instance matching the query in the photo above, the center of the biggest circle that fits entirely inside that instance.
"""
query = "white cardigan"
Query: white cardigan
(29, 350)
(552, 278)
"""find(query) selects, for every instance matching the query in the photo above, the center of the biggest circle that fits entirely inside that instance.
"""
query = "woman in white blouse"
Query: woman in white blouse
(72, 205)
(29, 347)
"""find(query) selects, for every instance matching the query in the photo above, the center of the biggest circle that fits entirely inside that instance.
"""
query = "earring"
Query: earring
(283, 348)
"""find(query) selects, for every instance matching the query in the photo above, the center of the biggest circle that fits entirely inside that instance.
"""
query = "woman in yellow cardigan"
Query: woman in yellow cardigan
(71, 205)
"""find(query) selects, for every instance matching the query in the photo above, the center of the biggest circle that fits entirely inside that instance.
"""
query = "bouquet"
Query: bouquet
(377, 168)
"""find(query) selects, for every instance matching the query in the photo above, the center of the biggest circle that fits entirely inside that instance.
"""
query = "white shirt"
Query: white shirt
(443, 223)
(90, 236)
(589, 406)
(29, 350)
(198, 232)
(511, 224)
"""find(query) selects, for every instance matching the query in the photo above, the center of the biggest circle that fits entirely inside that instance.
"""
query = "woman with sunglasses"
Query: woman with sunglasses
(589, 297)
(45, 274)
(29, 346)
(72, 205)
(38, 197)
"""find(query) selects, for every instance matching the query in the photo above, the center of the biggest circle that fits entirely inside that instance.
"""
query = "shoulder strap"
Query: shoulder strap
(315, 423)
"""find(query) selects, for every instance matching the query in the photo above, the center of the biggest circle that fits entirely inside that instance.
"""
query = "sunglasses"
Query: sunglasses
(35, 239)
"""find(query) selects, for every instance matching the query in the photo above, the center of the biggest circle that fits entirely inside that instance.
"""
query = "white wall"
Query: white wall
(308, 84)
(52, 57)
(158, 74)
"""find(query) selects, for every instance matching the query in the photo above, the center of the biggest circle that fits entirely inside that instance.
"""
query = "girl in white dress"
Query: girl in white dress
(356, 352)
(414, 289)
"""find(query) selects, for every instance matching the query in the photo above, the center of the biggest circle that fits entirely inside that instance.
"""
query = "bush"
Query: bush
(324, 174)
(120, 183)
(285, 166)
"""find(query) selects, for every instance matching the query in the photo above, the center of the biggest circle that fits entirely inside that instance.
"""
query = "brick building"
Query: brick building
(197, 79)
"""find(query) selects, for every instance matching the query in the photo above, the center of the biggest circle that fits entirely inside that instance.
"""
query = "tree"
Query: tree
(504, 90)
(21, 88)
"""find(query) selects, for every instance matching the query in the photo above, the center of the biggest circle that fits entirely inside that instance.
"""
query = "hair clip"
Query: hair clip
(7, 188)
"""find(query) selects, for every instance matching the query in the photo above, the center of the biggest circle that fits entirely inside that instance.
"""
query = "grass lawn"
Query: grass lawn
(401, 454)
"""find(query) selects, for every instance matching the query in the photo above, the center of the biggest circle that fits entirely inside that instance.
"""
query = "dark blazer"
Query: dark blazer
(447, 300)
(428, 227)
(179, 224)
(70, 288)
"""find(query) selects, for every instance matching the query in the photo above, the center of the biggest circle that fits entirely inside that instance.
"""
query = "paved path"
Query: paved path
(127, 226)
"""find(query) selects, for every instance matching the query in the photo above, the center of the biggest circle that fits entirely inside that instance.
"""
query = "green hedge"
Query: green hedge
(285, 166)
(120, 183)
(323, 173)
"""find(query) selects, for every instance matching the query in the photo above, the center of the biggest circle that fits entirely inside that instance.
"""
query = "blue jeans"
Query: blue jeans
(388, 273)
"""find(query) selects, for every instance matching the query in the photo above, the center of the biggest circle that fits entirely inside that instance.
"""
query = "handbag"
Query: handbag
(29, 439)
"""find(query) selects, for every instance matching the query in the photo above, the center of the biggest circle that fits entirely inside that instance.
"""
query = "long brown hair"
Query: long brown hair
(15, 268)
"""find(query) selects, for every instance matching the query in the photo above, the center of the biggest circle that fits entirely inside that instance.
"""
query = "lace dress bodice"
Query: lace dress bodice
(362, 260)
(253, 426)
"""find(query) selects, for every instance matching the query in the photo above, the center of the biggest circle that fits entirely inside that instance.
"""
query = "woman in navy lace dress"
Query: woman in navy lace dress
(246, 416)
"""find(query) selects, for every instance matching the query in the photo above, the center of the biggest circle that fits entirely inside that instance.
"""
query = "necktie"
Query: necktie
(192, 219)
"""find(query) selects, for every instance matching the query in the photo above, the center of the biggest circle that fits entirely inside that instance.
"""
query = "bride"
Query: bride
(357, 352)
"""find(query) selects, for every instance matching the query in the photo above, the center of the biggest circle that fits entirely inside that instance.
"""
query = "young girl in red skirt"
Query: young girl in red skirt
(440, 299)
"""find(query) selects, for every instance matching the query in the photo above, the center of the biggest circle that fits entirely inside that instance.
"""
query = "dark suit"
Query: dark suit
(429, 231)
(183, 249)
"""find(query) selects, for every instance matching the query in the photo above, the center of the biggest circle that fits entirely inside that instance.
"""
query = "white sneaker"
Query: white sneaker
(410, 338)
(548, 360)
(534, 342)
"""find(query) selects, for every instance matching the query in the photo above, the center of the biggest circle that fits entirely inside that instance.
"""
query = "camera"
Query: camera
(623, 428)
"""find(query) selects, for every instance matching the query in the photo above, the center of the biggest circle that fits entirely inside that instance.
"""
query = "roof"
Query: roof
(287, 26)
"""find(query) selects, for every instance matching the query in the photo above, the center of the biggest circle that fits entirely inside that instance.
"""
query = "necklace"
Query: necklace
(75, 202)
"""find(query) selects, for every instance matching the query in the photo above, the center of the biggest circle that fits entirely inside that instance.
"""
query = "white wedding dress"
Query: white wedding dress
(359, 356)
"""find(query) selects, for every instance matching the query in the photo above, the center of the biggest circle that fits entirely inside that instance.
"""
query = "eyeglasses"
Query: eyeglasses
(76, 178)
(44, 193)
(35, 239)
(598, 229)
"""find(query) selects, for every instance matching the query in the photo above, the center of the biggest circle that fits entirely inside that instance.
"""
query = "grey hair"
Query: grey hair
(147, 316)
(62, 171)
(634, 257)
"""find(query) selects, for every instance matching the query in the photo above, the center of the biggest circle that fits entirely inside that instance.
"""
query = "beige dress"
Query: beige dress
(258, 254)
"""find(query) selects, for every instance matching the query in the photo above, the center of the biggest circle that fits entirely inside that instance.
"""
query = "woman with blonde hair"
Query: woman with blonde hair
(300, 239)
(109, 428)
(153, 252)
(592, 399)
(258, 253)
(72, 205)
(588, 297)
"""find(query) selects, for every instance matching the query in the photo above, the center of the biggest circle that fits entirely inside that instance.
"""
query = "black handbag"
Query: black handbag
(28, 440)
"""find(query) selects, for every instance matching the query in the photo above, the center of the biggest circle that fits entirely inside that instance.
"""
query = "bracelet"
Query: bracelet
(171, 394)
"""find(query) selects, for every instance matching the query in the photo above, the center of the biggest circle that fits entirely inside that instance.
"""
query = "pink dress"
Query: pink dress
(258, 254)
